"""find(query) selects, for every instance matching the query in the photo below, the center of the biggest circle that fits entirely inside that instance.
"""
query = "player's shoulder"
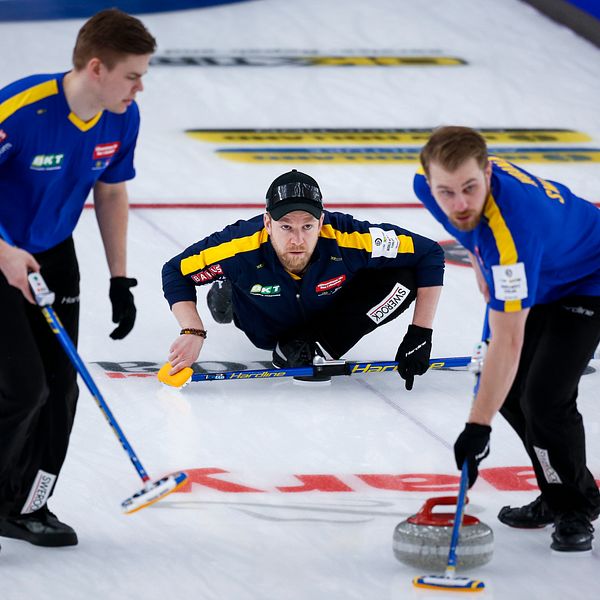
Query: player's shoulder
(344, 222)
(37, 87)
(421, 185)
(241, 229)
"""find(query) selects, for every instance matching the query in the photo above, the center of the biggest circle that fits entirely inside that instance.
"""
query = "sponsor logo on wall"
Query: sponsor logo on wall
(376, 136)
(353, 145)
(399, 155)
(275, 58)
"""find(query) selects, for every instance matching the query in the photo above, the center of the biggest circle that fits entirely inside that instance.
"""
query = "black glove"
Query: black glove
(472, 444)
(413, 354)
(123, 307)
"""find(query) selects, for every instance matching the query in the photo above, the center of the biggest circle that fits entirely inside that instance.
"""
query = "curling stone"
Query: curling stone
(423, 540)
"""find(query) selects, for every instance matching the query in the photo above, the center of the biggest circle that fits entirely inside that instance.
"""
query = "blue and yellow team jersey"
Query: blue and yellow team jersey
(268, 300)
(50, 159)
(537, 242)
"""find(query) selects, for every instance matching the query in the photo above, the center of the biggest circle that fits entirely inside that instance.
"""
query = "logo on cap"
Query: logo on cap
(294, 191)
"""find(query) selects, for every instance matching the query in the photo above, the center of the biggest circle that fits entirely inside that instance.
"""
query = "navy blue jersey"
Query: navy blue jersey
(50, 159)
(268, 300)
(536, 242)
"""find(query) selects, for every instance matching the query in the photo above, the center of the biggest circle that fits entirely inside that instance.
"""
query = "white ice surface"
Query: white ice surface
(524, 71)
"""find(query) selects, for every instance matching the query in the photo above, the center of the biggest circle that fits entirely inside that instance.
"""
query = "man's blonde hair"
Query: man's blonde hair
(451, 146)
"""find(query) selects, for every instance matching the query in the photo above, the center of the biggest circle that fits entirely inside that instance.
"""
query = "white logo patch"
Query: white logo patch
(39, 493)
(549, 473)
(384, 243)
(510, 281)
(389, 305)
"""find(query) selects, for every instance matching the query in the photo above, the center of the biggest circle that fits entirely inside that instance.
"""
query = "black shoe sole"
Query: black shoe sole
(49, 540)
(583, 547)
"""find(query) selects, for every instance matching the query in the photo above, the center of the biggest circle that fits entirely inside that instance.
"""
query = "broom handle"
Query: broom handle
(464, 475)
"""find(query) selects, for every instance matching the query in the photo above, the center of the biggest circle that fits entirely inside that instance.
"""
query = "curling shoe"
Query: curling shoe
(40, 528)
(573, 532)
(536, 514)
(298, 353)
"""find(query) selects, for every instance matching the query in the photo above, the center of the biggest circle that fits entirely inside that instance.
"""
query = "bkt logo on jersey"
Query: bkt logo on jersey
(265, 290)
(47, 162)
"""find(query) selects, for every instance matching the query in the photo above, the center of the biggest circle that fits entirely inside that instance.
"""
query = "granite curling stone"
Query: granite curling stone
(423, 540)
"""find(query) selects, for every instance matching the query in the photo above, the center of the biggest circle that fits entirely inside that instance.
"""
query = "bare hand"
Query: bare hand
(15, 265)
(184, 351)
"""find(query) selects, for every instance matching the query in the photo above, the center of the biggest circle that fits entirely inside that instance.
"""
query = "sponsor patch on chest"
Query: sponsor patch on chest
(265, 290)
(47, 162)
(510, 282)
(389, 305)
(331, 285)
(106, 150)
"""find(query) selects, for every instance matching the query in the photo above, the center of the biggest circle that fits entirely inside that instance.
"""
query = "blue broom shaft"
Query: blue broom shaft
(69, 348)
(460, 505)
(464, 475)
(67, 344)
(353, 368)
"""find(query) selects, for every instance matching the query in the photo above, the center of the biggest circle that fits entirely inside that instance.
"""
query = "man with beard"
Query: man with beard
(535, 248)
(302, 281)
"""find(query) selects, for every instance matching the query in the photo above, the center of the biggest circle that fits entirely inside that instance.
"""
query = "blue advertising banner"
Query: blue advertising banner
(42, 10)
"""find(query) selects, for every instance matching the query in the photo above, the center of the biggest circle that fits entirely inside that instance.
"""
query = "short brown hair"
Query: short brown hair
(452, 146)
(110, 35)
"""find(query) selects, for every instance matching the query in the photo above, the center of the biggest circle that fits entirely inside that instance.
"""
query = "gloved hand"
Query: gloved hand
(472, 444)
(123, 307)
(413, 354)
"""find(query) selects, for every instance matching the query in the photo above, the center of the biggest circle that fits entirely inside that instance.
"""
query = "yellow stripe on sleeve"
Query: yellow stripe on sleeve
(504, 242)
(360, 241)
(26, 97)
(363, 241)
(222, 251)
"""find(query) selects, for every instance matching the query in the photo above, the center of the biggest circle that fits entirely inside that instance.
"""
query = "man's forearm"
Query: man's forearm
(500, 365)
(498, 374)
(112, 213)
(426, 305)
(187, 315)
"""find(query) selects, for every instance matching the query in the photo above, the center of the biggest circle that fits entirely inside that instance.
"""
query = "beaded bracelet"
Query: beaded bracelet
(189, 331)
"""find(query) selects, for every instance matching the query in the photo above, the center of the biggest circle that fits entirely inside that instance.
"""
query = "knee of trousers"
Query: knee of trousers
(24, 391)
(542, 407)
